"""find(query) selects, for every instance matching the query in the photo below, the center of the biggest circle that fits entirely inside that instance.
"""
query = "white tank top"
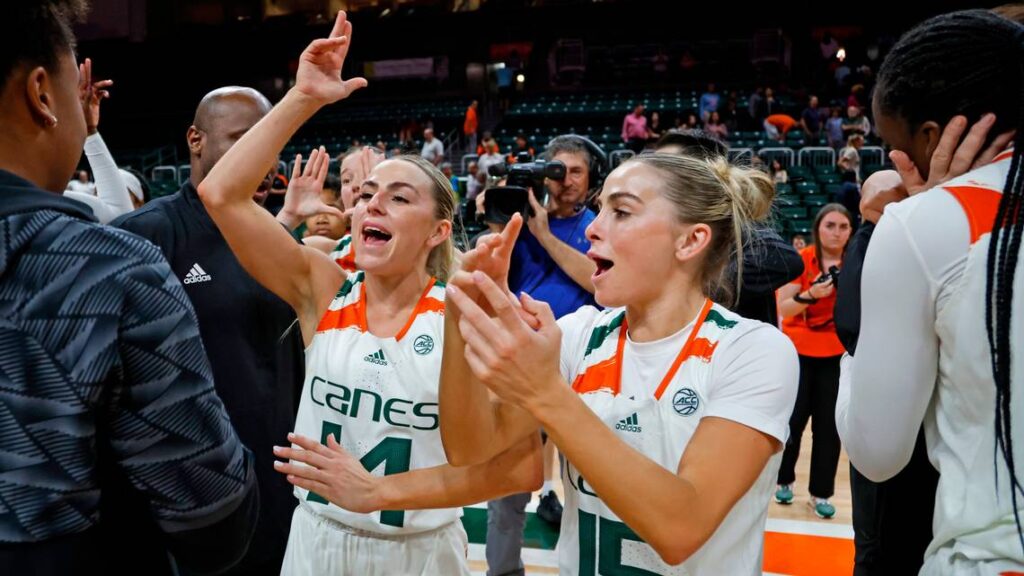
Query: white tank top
(733, 368)
(378, 397)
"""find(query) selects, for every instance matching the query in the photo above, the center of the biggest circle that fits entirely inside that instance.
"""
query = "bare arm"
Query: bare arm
(325, 245)
(788, 307)
(336, 475)
(303, 277)
(475, 426)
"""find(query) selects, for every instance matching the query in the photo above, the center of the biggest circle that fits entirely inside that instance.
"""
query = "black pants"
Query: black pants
(816, 399)
(636, 144)
(892, 520)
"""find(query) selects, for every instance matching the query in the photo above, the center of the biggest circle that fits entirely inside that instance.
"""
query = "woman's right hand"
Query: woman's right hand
(492, 256)
(319, 73)
(821, 290)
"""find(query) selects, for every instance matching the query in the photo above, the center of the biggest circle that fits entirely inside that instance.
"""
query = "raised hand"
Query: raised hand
(91, 94)
(516, 360)
(319, 74)
(303, 197)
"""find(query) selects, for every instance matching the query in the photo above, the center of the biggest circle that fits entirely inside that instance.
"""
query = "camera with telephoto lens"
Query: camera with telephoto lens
(522, 178)
(833, 273)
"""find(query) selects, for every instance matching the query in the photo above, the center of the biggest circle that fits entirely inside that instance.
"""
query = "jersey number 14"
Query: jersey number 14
(394, 453)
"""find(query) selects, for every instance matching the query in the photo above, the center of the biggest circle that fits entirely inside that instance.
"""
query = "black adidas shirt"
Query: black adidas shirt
(254, 345)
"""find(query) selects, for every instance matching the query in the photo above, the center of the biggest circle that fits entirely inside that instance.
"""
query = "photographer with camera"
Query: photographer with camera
(807, 305)
(549, 263)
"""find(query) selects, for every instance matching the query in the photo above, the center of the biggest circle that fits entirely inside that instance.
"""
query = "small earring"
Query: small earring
(51, 121)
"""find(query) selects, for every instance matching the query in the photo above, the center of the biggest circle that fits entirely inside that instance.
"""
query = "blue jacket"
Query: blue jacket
(114, 447)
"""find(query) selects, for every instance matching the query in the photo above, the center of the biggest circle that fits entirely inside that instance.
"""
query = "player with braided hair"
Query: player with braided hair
(940, 318)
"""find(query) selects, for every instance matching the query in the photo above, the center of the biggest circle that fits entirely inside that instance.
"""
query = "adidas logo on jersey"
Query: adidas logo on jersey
(631, 424)
(376, 358)
(197, 275)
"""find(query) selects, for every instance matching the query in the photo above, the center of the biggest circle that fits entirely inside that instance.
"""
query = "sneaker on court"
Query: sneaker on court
(550, 509)
(784, 494)
(823, 508)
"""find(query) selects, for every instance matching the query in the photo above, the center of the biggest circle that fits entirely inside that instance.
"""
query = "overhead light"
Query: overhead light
(385, 12)
(520, 78)
(841, 54)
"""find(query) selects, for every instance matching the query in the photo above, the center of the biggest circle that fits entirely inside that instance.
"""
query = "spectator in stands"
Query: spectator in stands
(777, 126)
(81, 183)
(481, 148)
(549, 262)
(755, 106)
(771, 105)
(433, 149)
(474, 184)
(715, 127)
(856, 122)
(730, 114)
(446, 169)
(692, 122)
(834, 128)
(490, 157)
(708, 102)
(810, 120)
(112, 429)
(849, 196)
(634, 129)
(849, 155)
(806, 304)
(654, 128)
(799, 242)
(778, 172)
(256, 355)
(328, 224)
(857, 97)
(469, 126)
(522, 145)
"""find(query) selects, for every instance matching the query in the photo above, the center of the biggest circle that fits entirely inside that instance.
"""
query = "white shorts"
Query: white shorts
(320, 546)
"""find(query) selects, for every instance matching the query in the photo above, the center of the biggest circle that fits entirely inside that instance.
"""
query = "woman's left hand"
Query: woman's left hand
(319, 73)
(516, 362)
(331, 472)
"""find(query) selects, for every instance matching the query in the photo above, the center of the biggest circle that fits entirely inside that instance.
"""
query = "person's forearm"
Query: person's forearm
(519, 469)
(465, 410)
(790, 307)
(575, 264)
(474, 426)
(661, 507)
(110, 186)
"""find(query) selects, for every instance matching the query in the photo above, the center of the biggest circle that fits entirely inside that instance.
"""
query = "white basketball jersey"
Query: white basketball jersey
(973, 511)
(378, 397)
(594, 541)
(344, 254)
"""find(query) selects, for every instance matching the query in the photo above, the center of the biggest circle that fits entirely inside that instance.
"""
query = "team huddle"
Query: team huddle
(429, 385)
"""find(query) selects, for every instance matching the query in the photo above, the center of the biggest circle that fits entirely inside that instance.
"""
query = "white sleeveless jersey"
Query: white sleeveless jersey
(378, 397)
(973, 511)
(737, 369)
(344, 254)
